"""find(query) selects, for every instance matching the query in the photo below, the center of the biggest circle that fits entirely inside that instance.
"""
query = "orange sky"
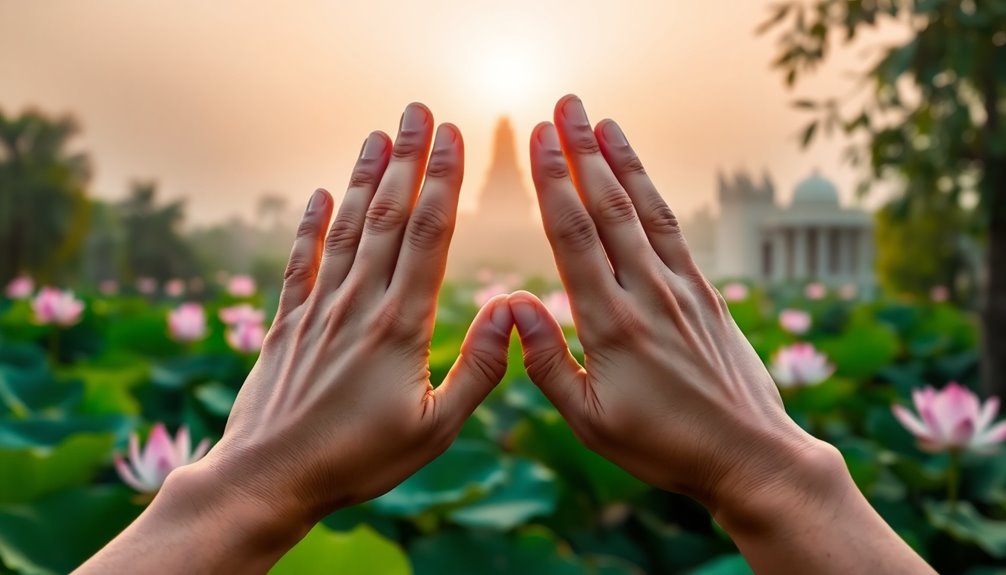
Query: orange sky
(222, 100)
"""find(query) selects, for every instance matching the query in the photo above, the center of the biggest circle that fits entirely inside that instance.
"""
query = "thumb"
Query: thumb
(481, 365)
(547, 358)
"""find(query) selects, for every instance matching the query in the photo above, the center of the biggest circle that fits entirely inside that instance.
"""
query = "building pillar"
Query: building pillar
(799, 254)
(847, 246)
(779, 253)
(864, 257)
(823, 254)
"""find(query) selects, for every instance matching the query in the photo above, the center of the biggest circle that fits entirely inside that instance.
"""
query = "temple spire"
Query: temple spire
(504, 194)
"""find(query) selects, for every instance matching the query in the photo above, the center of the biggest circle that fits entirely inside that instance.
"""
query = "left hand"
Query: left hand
(339, 408)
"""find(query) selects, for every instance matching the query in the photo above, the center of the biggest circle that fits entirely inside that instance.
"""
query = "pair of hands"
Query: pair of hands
(339, 408)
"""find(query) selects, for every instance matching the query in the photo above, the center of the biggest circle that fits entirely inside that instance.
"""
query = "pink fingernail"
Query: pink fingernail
(574, 112)
(501, 316)
(549, 137)
(414, 118)
(373, 147)
(445, 137)
(613, 134)
(317, 199)
(525, 314)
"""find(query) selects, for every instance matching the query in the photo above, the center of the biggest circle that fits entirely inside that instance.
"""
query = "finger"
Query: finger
(610, 206)
(481, 365)
(302, 267)
(344, 234)
(547, 358)
(423, 257)
(392, 204)
(579, 255)
(658, 220)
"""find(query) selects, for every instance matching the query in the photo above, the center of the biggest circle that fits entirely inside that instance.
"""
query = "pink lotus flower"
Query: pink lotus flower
(939, 294)
(557, 302)
(55, 307)
(20, 288)
(848, 292)
(815, 291)
(246, 337)
(146, 471)
(735, 291)
(800, 365)
(241, 286)
(108, 287)
(795, 321)
(952, 419)
(482, 296)
(187, 323)
(146, 286)
(175, 287)
(243, 313)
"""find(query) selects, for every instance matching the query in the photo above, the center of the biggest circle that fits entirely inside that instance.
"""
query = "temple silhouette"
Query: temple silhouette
(504, 233)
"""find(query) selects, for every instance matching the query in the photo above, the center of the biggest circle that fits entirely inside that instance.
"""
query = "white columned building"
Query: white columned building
(813, 239)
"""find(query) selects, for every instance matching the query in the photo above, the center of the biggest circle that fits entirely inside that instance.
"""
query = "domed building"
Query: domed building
(814, 238)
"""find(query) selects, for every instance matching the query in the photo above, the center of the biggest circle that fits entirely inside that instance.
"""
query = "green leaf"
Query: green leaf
(530, 490)
(216, 397)
(863, 350)
(466, 471)
(529, 552)
(30, 472)
(58, 533)
(964, 523)
(358, 552)
(547, 438)
(727, 565)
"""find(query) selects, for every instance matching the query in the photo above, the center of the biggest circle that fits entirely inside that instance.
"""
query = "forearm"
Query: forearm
(192, 526)
(816, 521)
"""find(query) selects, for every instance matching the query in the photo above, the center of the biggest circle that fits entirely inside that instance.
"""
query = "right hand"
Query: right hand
(671, 390)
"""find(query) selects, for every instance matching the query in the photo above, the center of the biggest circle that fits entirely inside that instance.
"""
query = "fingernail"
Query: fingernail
(414, 118)
(373, 147)
(445, 137)
(525, 314)
(549, 137)
(316, 199)
(501, 317)
(574, 112)
(613, 134)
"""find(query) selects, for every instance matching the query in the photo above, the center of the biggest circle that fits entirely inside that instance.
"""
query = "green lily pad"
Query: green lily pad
(530, 552)
(467, 471)
(530, 490)
(29, 472)
(358, 552)
(963, 522)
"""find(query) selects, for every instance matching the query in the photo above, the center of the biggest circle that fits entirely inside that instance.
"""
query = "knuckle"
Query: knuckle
(661, 220)
(299, 269)
(308, 228)
(583, 141)
(575, 230)
(443, 163)
(541, 365)
(344, 235)
(631, 164)
(365, 174)
(485, 364)
(620, 324)
(553, 165)
(615, 206)
(429, 227)
(386, 214)
(391, 323)
(409, 145)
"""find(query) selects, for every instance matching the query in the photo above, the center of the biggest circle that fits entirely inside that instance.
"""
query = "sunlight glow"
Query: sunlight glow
(505, 76)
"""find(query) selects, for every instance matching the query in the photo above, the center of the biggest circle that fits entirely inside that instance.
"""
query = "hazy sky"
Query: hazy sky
(220, 101)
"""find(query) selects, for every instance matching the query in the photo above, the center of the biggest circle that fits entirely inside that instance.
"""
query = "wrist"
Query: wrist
(199, 499)
(807, 477)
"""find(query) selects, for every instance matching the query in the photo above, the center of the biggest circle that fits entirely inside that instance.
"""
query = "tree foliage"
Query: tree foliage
(43, 206)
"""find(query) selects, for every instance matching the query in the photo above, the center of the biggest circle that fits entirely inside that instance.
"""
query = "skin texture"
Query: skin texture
(671, 390)
(339, 408)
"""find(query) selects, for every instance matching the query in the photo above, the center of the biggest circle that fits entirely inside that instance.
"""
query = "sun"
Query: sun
(506, 77)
